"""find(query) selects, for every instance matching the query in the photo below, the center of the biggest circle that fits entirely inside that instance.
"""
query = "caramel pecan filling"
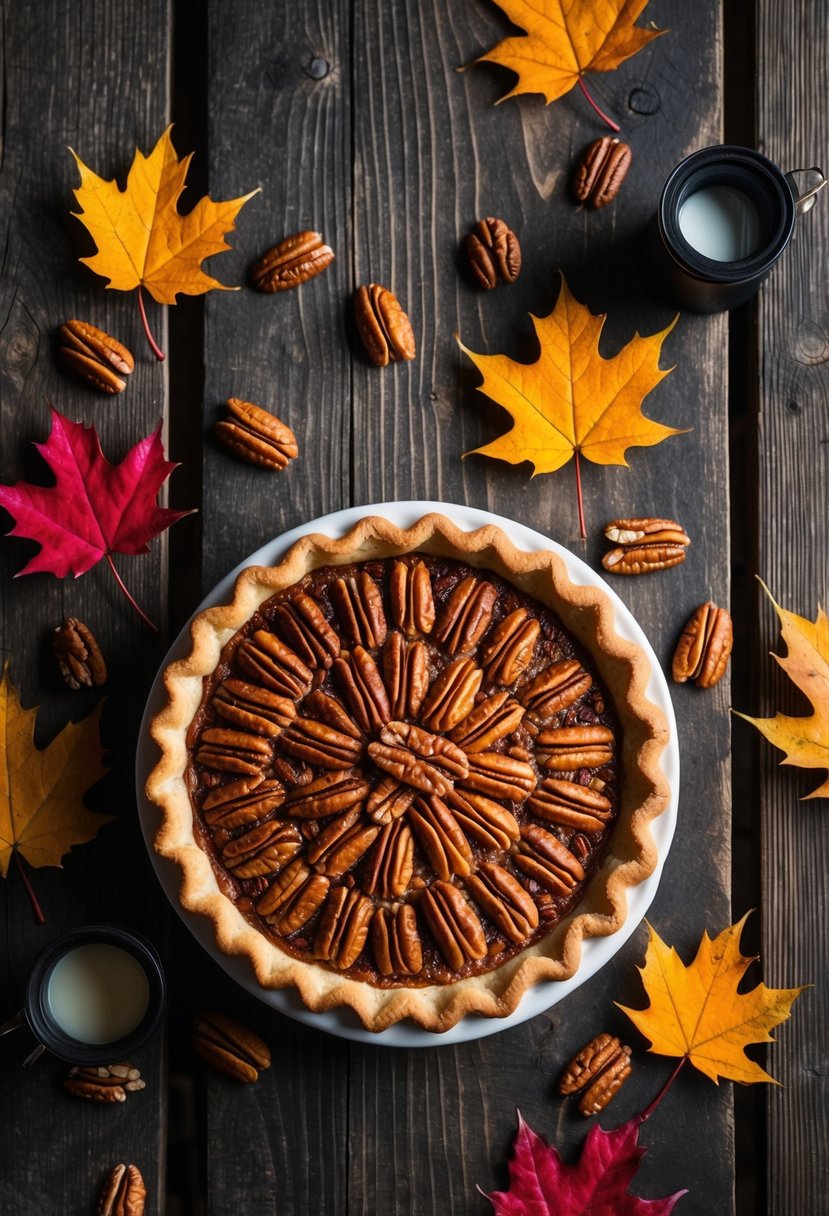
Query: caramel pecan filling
(404, 770)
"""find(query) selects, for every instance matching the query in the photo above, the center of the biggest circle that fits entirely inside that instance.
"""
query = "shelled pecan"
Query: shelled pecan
(704, 647)
(103, 1083)
(96, 357)
(600, 172)
(599, 1070)
(124, 1193)
(256, 436)
(396, 941)
(645, 545)
(493, 253)
(230, 1047)
(293, 261)
(454, 924)
(384, 329)
(78, 654)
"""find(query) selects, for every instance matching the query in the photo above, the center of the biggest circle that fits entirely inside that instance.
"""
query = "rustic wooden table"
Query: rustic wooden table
(353, 119)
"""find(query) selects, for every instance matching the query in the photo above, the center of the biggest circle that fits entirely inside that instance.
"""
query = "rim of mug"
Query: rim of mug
(726, 164)
(46, 1029)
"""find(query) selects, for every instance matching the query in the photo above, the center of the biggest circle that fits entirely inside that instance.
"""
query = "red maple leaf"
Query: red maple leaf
(94, 509)
(542, 1185)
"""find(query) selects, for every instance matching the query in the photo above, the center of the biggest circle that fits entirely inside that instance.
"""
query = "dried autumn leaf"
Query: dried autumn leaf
(696, 1012)
(566, 38)
(42, 814)
(94, 509)
(572, 400)
(805, 740)
(542, 1185)
(142, 240)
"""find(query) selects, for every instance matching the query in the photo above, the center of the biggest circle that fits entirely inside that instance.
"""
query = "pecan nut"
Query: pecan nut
(481, 819)
(320, 744)
(342, 843)
(256, 436)
(389, 800)
(359, 606)
(264, 849)
(395, 941)
(643, 559)
(123, 1193)
(245, 801)
(233, 751)
(440, 837)
(328, 709)
(650, 531)
(510, 647)
(418, 758)
(567, 748)
(391, 864)
(384, 328)
(293, 897)
(230, 1047)
(452, 695)
(94, 356)
(504, 900)
(570, 805)
(253, 708)
(543, 857)
(704, 648)
(491, 720)
(363, 689)
(600, 171)
(454, 924)
(645, 545)
(295, 260)
(327, 795)
(556, 688)
(406, 673)
(78, 654)
(412, 602)
(493, 253)
(269, 662)
(499, 776)
(466, 615)
(305, 629)
(599, 1069)
(103, 1083)
(343, 927)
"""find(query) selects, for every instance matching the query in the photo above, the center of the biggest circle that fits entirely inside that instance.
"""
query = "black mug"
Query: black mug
(724, 218)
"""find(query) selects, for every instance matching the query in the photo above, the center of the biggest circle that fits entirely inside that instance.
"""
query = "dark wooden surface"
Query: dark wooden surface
(354, 120)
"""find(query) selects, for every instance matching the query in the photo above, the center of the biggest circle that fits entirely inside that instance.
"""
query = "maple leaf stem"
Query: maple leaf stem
(579, 499)
(646, 1114)
(36, 908)
(613, 125)
(126, 592)
(154, 347)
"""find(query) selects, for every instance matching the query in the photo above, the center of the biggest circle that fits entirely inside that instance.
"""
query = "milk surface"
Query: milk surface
(721, 223)
(98, 993)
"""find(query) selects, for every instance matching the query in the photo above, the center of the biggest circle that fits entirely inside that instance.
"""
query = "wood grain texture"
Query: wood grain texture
(431, 155)
(793, 340)
(92, 76)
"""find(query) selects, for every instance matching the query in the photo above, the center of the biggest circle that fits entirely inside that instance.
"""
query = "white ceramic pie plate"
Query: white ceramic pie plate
(596, 951)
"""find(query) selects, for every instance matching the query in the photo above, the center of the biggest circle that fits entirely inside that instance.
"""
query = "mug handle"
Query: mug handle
(805, 202)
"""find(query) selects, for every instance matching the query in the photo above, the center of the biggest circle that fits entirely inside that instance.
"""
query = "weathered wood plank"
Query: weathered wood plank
(432, 155)
(92, 76)
(279, 118)
(792, 81)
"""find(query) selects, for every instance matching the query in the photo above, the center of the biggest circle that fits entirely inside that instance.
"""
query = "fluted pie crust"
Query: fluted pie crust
(586, 615)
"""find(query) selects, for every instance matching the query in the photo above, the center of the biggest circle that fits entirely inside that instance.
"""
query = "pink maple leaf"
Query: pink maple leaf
(95, 508)
(542, 1185)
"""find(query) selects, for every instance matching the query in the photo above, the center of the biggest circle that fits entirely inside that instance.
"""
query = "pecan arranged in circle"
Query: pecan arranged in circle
(493, 253)
(404, 769)
(385, 330)
(295, 260)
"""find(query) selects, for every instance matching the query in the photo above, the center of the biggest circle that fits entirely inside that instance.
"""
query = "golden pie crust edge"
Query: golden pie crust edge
(586, 612)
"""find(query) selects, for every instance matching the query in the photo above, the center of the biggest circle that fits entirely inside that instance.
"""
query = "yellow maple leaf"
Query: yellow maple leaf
(696, 1012)
(142, 239)
(566, 38)
(572, 400)
(41, 790)
(805, 740)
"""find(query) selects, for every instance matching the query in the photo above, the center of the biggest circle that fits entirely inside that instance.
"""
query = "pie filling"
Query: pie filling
(404, 770)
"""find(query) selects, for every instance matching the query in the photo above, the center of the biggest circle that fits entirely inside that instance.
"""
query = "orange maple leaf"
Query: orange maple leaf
(571, 400)
(42, 814)
(696, 1012)
(142, 240)
(805, 740)
(566, 38)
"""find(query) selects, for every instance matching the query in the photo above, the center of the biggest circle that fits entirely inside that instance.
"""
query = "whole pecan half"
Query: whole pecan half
(123, 1193)
(570, 805)
(342, 843)
(557, 687)
(303, 626)
(406, 673)
(293, 897)
(412, 602)
(567, 748)
(452, 695)
(418, 758)
(493, 253)
(497, 775)
(359, 605)
(504, 900)
(343, 927)
(509, 648)
(645, 545)
(466, 615)
(362, 687)
(389, 799)
(440, 837)
(256, 436)
(103, 1083)
(391, 864)
(230, 1047)
(454, 924)
(490, 720)
(269, 662)
(326, 795)
(253, 708)
(78, 654)
(704, 648)
(395, 940)
(599, 1069)
(263, 849)
(245, 801)
(94, 356)
(320, 744)
(483, 820)
(600, 171)
(233, 751)
(543, 857)
(385, 330)
(295, 260)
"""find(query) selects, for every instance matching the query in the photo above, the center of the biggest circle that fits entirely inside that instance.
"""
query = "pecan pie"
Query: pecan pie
(409, 771)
